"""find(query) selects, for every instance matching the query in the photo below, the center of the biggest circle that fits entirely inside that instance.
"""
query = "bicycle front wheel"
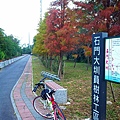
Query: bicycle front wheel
(41, 107)
(58, 114)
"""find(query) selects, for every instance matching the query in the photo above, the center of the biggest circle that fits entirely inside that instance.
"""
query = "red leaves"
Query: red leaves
(106, 13)
(67, 28)
(82, 5)
(115, 30)
(60, 32)
(53, 20)
(106, 20)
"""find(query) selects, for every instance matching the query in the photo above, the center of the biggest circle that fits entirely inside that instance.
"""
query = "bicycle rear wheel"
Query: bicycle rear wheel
(41, 107)
(58, 114)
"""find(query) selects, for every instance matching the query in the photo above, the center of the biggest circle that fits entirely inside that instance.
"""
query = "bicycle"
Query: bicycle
(45, 104)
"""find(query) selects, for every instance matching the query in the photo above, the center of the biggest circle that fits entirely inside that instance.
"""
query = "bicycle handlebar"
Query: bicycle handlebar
(35, 89)
(37, 85)
(46, 75)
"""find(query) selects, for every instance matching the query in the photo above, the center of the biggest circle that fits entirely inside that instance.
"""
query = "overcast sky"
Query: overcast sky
(21, 17)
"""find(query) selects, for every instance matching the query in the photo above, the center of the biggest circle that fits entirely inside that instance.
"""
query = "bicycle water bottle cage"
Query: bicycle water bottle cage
(43, 94)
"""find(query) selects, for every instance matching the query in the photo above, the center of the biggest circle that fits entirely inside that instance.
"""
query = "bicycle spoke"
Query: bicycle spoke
(40, 107)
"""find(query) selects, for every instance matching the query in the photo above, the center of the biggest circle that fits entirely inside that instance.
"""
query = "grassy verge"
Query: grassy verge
(78, 83)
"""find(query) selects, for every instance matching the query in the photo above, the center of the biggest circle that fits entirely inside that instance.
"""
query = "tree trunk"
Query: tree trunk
(46, 60)
(51, 63)
(88, 62)
(75, 60)
(60, 67)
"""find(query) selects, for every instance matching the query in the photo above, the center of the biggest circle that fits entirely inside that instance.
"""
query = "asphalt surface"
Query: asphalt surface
(8, 78)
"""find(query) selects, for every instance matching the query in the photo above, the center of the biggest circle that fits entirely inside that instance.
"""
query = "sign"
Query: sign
(112, 59)
(98, 77)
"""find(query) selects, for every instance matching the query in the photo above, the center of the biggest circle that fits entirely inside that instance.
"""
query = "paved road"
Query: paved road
(8, 78)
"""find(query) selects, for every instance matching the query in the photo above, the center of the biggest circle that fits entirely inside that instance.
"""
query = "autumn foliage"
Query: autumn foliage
(70, 28)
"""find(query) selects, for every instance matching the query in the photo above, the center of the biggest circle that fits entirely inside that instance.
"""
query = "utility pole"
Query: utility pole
(40, 10)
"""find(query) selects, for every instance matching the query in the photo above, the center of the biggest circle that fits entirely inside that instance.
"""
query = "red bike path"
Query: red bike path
(22, 96)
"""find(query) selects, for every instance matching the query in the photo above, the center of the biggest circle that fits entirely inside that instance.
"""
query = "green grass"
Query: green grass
(78, 83)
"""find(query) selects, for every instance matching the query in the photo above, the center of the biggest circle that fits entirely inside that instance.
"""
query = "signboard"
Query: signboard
(112, 59)
(98, 77)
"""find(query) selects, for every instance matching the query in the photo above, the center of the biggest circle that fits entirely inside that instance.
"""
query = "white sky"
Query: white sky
(21, 17)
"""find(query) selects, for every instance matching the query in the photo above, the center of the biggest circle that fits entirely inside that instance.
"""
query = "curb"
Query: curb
(13, 103)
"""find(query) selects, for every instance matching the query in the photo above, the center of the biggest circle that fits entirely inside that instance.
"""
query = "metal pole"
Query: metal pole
(112, 92)
(40, 10)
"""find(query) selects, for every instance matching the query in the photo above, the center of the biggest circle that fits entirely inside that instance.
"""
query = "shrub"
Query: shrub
(2, 55)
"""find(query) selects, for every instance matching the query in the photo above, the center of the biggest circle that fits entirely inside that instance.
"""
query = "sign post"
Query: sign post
(99, 85)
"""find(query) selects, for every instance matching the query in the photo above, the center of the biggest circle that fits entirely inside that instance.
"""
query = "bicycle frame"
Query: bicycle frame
(52, 100)
(54, 104)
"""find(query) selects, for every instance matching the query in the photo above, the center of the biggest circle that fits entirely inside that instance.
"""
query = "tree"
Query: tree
(106, 18)
(9, 46)
(88, 54)
(39, 46)
(60, 32)
(98, 16)
(27, 49)
(2, 55)
(70, 29)
(83, 15)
